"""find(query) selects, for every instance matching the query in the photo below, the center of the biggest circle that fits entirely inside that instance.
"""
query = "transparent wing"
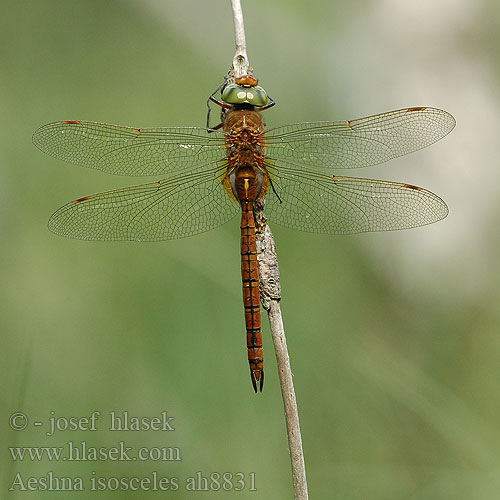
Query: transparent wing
(172, 208)
(358, 143)
(320, 203)
(126, 150)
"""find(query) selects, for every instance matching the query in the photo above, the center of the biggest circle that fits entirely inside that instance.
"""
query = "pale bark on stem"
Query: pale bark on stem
(270, 292)
(240, 59)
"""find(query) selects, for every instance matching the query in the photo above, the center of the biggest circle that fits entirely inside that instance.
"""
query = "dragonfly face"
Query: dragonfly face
(204, 178)
(239, 94)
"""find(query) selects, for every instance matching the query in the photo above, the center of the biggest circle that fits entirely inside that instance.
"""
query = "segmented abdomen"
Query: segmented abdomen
(251, 295)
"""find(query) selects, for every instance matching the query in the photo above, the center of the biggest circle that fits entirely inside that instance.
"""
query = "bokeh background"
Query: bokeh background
(394, 337)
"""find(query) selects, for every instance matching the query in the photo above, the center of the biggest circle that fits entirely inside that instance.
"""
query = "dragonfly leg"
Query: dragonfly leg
(220, 103)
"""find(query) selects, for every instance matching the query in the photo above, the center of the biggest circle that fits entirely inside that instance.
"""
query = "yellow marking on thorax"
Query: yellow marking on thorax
(246, 186)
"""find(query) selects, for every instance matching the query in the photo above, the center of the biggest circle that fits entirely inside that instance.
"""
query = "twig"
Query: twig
(240, 59)
(270, 293)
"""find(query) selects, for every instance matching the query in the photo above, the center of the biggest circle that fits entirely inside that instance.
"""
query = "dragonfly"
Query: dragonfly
(205, 176)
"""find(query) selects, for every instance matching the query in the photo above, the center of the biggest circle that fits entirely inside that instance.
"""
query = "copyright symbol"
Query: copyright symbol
(18, 421)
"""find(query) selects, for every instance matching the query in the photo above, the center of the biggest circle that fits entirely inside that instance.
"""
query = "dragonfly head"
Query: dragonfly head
(245, 91)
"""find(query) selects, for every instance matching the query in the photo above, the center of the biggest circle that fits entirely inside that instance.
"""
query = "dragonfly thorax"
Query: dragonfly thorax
(244, 138)
(237, 120)
(245, 154)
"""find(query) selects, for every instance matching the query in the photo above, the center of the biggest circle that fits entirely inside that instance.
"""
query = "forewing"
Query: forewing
(129, 151)
(320, 203)
(358, 143)
(172, 208)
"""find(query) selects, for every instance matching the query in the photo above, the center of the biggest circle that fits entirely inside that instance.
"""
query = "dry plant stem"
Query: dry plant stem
(270, 291)
(240, 60)
(289, 401)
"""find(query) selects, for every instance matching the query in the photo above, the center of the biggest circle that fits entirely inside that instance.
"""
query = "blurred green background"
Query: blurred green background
(394, 337)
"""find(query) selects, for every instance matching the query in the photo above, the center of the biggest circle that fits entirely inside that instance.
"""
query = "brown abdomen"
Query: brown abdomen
(251, 295)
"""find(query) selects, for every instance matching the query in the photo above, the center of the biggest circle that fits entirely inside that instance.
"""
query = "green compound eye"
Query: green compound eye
(236, 94)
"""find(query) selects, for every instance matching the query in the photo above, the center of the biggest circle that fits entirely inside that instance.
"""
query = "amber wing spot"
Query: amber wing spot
(416, 109)
(82, 199)
(71, 122)
(411, 186)
(348, 123)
